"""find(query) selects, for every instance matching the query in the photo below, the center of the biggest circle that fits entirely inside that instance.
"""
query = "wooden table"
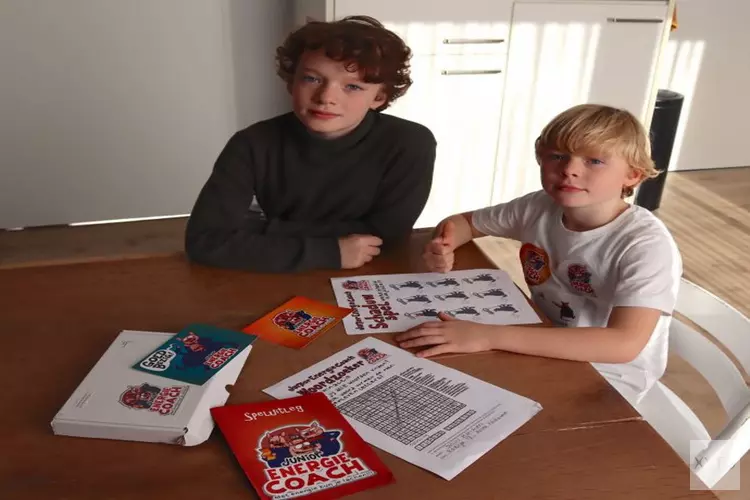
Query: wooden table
(587, 443)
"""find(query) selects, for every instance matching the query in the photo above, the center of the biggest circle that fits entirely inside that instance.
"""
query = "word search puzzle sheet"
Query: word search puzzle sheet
(396, 302)
(427, 414)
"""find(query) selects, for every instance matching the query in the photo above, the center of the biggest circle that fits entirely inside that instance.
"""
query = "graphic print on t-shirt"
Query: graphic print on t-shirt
(535, 264)
(580, 279)
(566, 312)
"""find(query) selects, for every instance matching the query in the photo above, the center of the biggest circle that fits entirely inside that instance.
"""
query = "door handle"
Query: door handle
(450, 72)
(467, 41)
(634, 20)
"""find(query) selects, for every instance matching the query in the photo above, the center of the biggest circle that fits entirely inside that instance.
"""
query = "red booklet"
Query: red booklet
(298, 447)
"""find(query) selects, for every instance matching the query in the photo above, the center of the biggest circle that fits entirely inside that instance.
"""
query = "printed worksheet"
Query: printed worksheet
(425, 413)
(396, 302)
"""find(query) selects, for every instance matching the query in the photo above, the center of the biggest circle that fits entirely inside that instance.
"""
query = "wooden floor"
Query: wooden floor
(708, 212)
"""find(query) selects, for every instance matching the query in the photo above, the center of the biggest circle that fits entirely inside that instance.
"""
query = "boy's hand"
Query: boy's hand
(358, 249)
(438, 254)
(446, 336)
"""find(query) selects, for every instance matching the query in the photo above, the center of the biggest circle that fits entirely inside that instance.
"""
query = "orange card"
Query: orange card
(297, 322)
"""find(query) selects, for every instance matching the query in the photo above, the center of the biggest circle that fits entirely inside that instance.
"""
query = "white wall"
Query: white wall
(115, 109)
(707, 60)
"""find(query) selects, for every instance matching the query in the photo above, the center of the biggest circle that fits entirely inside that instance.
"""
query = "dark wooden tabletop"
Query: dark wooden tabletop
(587, 442)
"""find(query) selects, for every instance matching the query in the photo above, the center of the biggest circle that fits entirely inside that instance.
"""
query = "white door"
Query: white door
(562, 54)
(459, 99)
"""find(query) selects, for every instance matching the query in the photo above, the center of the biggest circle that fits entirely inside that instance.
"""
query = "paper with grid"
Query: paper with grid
(423, 412)
(396, 302)
(401, 409)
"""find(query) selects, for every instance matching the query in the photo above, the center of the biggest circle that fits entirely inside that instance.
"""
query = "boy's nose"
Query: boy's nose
(326, 95)
(573, 167)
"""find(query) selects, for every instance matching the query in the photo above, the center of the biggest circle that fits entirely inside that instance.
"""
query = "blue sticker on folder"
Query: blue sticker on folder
(195, 354)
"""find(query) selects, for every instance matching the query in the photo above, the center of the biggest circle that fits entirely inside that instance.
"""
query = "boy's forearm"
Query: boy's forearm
(249, 250)
(596, 345)
(465, 231)
(316, 229)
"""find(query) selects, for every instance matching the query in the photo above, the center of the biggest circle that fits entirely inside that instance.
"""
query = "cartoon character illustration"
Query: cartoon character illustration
(444, 282)
(466, 310)
(487, 278)
(535, 264)
(566, 312)
(424, 313)
(193, 350)
(139, 397)
(453, 295)
(291, 320)
(580, 278)
(415, 298)
(492, 292)
(501, 308)
(275, 446)
(371, 355)
(407, 284)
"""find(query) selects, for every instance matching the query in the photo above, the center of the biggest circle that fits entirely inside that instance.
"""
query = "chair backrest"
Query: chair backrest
(732, 329)
(725, 323)
(711, 362)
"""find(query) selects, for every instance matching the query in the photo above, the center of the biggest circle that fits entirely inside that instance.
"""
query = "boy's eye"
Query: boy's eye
(353, 86)
(309, 78)
(596, 161)
(556, 156)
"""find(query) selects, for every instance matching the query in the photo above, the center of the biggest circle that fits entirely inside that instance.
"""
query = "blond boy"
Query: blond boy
(605, 272)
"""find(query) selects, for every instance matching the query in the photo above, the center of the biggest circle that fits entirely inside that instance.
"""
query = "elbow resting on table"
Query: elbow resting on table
(197, 250)
(629, 347)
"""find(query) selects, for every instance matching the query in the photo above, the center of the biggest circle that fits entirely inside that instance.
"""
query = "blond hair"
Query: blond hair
(602, 130)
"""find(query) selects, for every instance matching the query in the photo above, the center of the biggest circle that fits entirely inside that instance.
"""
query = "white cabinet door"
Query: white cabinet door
(459, 99)
(562, 54)
(439, 27)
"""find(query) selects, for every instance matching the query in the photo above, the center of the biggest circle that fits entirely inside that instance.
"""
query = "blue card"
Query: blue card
(195, 354)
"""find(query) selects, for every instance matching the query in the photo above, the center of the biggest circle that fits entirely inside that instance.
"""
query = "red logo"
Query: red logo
(356, 285)
(535, 264)
(301, 322)
(580, 279)
(371, 355)
(149, 397)
(305, 459)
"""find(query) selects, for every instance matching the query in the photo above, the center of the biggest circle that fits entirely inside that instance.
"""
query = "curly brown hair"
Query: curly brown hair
(362, 43)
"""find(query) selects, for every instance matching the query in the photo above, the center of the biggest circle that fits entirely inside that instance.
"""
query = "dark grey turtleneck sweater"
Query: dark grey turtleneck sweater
(279, 197)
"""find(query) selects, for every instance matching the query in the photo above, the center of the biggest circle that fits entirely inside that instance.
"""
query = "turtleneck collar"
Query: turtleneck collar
(345, 141)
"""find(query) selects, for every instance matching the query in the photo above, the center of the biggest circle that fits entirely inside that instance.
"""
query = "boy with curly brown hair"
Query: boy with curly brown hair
(326, 185)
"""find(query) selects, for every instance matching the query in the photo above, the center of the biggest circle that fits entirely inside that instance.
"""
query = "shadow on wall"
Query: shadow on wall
(710, 67)
(680, 72)
(257, 88)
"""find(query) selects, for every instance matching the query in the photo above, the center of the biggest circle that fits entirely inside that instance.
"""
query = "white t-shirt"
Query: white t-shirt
(576, 278)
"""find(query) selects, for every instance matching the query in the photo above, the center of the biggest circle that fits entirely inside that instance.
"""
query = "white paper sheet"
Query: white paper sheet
(396, 302)
(427, 414)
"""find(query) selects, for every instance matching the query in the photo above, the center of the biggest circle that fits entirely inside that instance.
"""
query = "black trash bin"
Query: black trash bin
(663, 130)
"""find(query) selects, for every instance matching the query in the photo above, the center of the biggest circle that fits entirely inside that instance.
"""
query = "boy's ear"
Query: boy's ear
(379, 100)
(633, 178)
(289, 87)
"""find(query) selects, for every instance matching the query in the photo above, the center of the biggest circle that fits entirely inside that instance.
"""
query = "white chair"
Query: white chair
(672, 418)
